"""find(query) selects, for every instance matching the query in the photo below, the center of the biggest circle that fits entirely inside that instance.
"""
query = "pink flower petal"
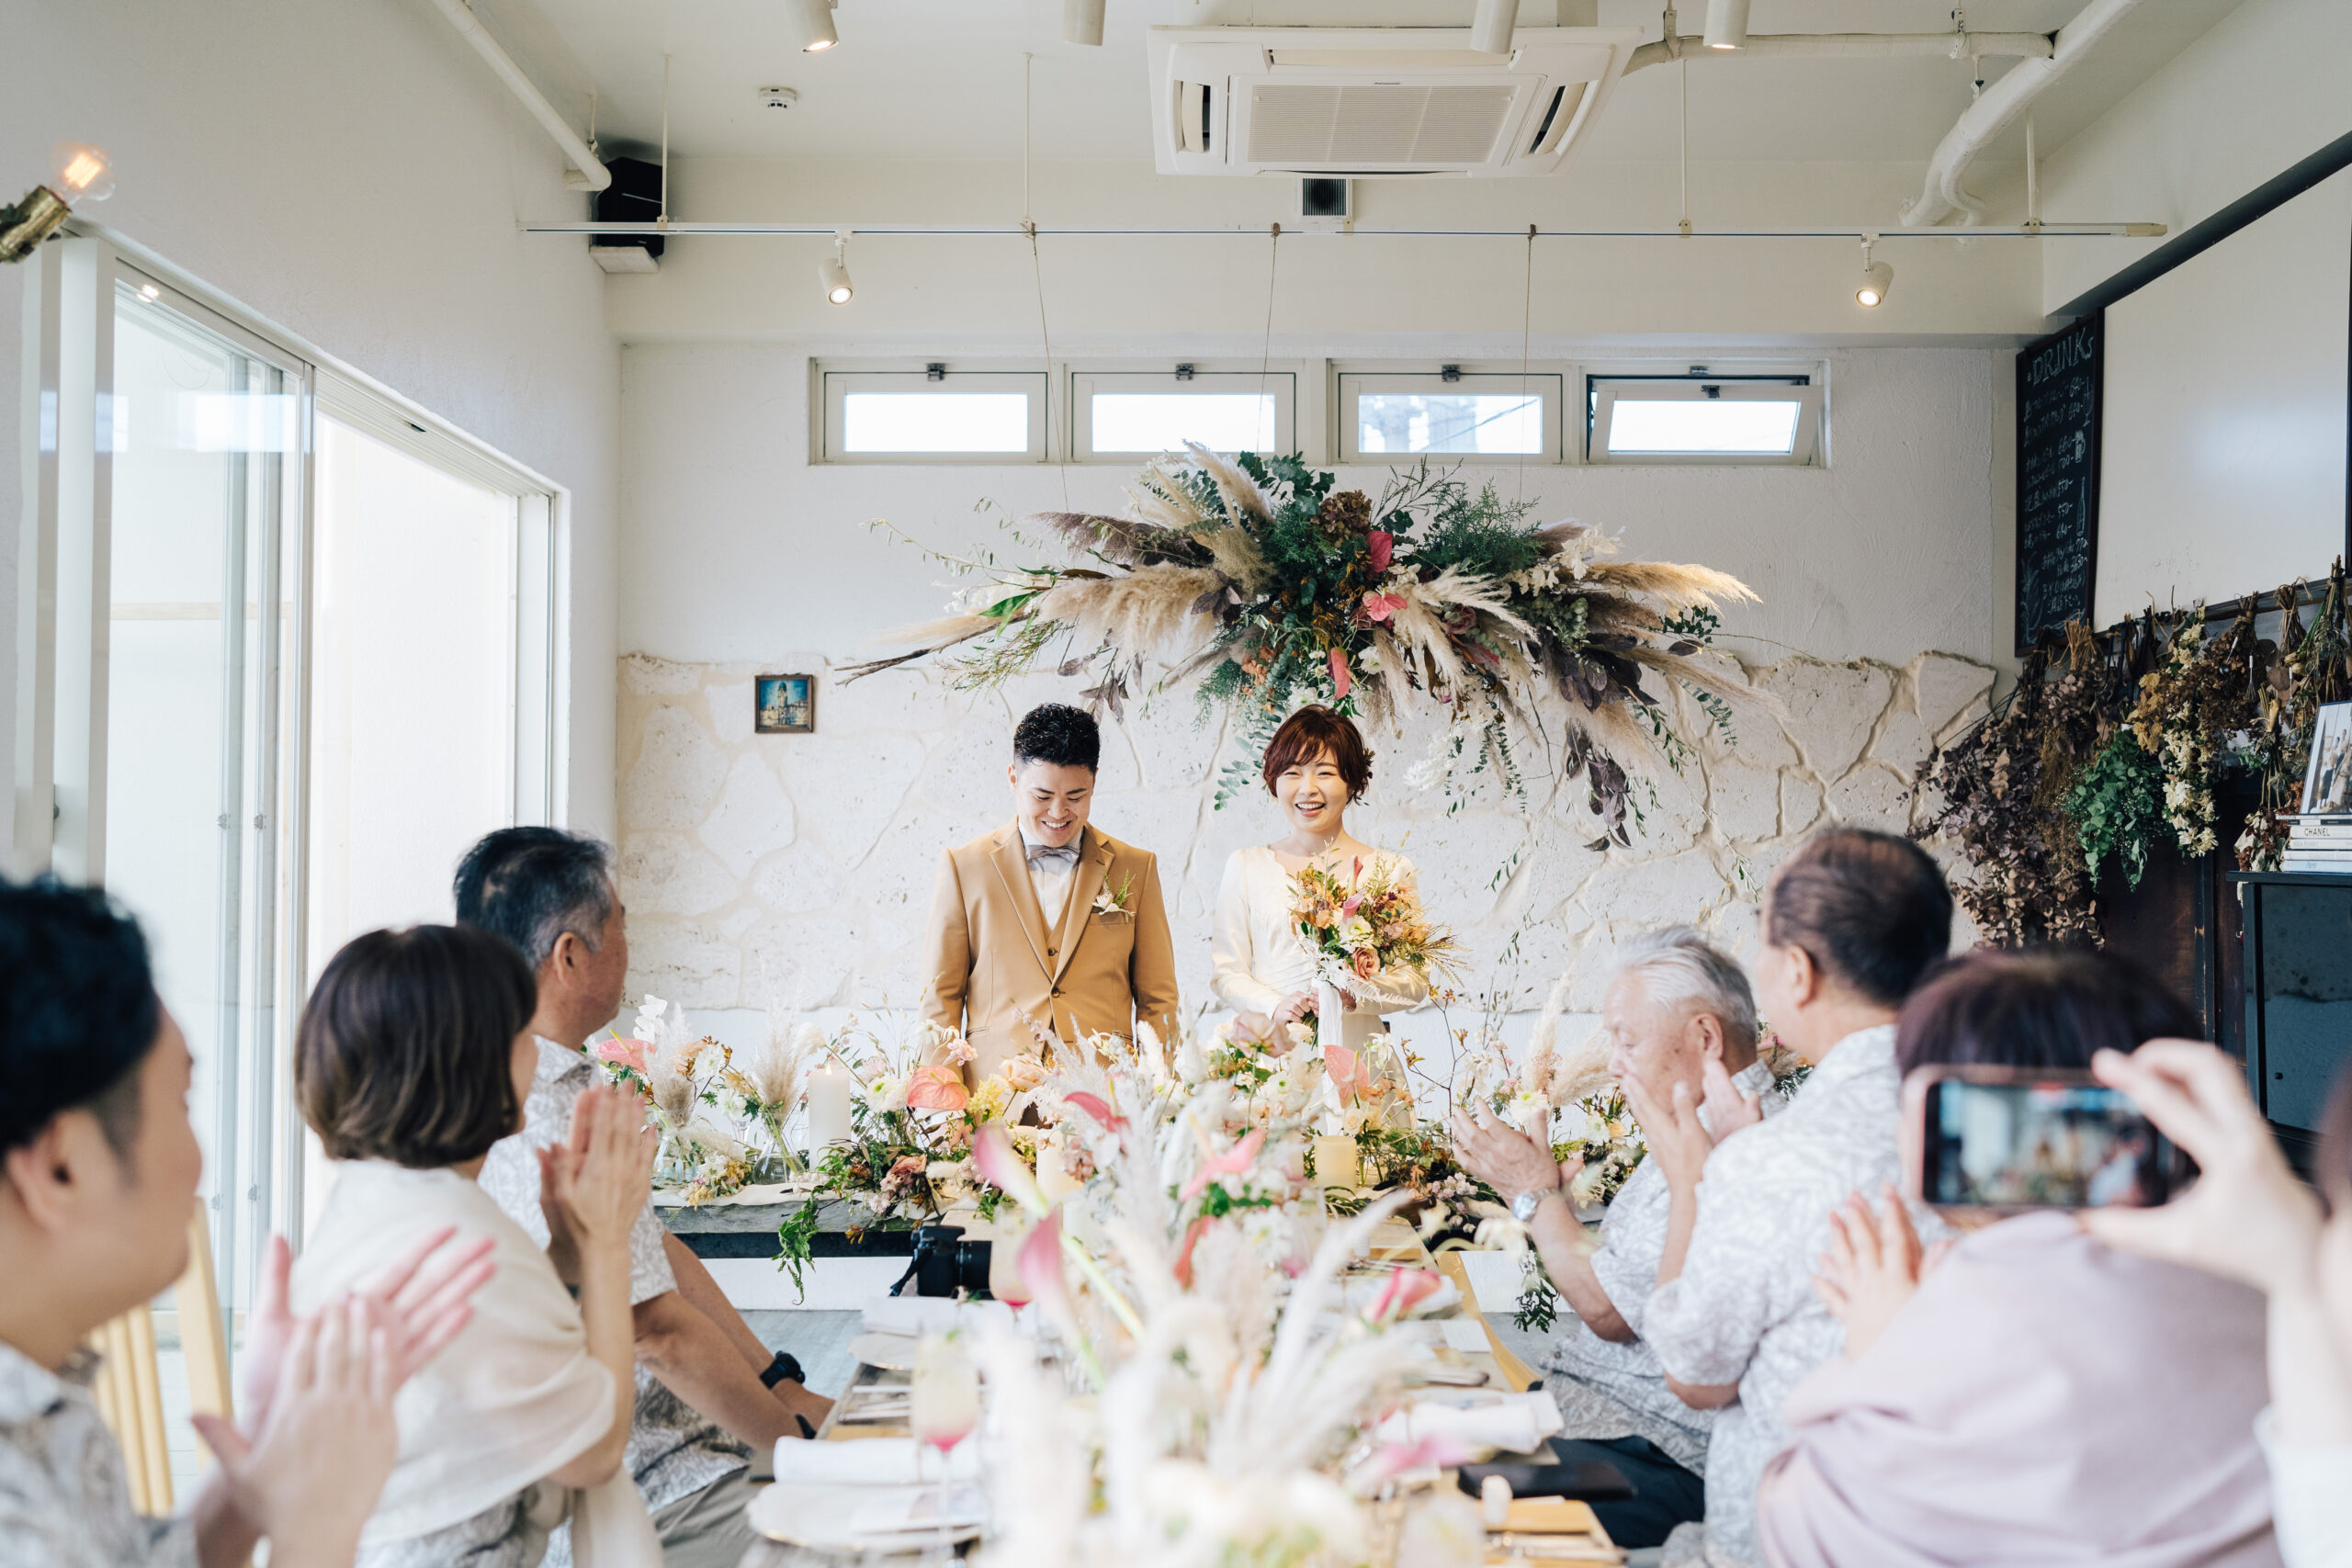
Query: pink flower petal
(939, 1088)
(1093, 1105)
(1382, 547)
(1393, 1460)
(1039, 1264)
(623, 1052)
(1405, 1290)
(1342, 680)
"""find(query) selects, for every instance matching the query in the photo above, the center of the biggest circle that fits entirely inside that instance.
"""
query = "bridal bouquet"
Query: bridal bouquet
(1369, 935)
(1275, 587)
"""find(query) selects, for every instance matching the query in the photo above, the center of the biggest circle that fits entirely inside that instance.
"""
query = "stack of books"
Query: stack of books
(2319, 842)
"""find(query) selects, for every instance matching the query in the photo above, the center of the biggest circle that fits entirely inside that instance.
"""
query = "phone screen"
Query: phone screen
(2048, 1145)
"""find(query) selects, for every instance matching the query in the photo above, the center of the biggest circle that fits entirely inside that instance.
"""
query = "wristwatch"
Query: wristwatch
(1523, 1207)
(785, 1367)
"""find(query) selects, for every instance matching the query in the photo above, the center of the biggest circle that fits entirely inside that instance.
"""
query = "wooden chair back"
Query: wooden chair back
(129, 1390)
(1515, 1371)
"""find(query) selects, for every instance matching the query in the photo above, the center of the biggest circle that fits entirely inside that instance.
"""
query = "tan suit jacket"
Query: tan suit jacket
(991, 954)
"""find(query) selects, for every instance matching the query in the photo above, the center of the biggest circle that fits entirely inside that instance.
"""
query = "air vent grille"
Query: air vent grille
(1327, 127)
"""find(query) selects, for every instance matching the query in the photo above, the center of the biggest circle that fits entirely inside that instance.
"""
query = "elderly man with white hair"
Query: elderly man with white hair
(1677, 1012)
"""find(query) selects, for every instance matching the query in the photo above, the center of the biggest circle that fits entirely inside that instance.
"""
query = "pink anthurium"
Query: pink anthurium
(1382, 547)
(1001, 1168)
(1382, 607)
(1039, 1264)
(1350, 1076)
(1193, 1234)
(1392, 1460)
(1235, 1161)
(1093, 1105)
(937, 1088)
(1407, 1288)
(1342, 680)
(623, 1052)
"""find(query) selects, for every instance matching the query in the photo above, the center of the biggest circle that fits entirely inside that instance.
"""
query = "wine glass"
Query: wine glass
(944, 1405)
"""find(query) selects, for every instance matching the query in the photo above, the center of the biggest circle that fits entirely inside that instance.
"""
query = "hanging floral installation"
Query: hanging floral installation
(2121, 744)
(1271, 588)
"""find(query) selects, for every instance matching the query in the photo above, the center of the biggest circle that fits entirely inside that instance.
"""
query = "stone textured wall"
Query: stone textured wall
(797, 868)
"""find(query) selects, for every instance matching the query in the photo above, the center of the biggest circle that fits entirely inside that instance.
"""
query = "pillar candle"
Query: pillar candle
(1054, 1178)
(829, 1095)
(1335, 1160)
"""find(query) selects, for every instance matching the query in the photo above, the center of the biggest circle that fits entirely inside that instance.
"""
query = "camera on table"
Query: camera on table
(944, 1264)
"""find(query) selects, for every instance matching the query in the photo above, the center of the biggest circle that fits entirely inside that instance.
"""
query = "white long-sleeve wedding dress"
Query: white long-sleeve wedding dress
(1256, 957)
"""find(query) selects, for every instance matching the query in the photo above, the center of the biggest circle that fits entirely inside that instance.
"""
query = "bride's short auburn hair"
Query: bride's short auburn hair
(1316, 733)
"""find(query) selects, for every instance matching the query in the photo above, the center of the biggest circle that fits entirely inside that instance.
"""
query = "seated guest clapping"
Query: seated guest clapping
(2039, 1397)
(98, 1170)
(2248, 1219)
(414, 1057)
(1677, 1012)
(1851, 922)
(701, 1408)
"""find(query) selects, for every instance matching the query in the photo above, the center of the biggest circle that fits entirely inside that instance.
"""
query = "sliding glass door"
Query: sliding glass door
(208, 469)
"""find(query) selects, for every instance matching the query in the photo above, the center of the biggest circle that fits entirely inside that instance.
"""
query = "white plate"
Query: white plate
(857, 1518)
(891, 1352)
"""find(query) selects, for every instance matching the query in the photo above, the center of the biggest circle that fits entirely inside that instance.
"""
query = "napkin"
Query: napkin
(1513, 1422)
(917, 1315)
(874, 1461)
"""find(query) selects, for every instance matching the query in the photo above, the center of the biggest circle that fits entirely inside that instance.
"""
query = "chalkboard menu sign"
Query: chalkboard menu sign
(2058, 404)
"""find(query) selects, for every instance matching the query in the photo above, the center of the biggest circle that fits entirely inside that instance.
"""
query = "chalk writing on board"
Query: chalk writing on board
(2058, 416)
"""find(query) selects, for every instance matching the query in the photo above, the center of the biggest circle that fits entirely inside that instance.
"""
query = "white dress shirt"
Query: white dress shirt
(1051, 875)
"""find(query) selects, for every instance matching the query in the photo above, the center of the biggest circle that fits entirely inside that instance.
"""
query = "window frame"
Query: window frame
(1205, 379)
(72, 286)
(834, 382)
(1604, 388)
(1350, 381)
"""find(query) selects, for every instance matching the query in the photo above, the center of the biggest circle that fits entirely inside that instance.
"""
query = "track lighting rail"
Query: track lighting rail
(675, 228)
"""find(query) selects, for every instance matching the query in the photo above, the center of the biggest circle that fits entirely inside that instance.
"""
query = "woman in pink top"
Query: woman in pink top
(2038, 1397)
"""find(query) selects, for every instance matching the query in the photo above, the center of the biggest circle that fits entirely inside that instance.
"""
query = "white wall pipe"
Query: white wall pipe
(1996, 106)
(1845, 45)
(462, 16)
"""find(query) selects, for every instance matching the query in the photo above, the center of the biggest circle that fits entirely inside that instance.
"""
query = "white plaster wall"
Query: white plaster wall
(799, 867)
(353, 173)
(2263, 89)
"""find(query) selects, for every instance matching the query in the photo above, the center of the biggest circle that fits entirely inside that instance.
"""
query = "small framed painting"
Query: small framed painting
(2327, 781)
(785, 704)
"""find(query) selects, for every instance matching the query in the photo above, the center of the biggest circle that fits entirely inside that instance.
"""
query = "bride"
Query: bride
(1314, 766)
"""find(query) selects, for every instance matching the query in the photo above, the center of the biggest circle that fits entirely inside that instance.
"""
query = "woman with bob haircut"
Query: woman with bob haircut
(2030, 1398)
(1315, 768)
(414, 1057)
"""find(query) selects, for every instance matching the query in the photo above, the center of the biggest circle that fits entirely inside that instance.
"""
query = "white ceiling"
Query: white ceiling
(930, 80)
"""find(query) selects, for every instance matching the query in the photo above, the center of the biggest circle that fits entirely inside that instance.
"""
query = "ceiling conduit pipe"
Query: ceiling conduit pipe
(1845, 45)
(1999, 105)
(593, 175)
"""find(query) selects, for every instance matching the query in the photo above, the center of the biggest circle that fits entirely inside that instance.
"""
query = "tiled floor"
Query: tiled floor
(819, 1339)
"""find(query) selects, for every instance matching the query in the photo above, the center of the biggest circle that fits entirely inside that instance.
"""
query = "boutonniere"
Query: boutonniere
(1116, 904)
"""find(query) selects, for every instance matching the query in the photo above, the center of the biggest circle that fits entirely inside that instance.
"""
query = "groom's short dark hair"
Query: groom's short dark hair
(1057, 733)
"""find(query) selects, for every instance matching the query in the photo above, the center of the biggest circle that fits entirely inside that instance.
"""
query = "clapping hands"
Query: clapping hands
(593, 1185)
(1872, 1266)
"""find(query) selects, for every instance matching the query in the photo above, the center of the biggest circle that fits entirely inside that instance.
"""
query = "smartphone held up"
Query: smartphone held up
(2014, 1139)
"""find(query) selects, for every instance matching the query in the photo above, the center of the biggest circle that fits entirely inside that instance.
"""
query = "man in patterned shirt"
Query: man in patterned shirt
(98, 1172)
(707, 1387)
(1677, 1012)
(1851, 923)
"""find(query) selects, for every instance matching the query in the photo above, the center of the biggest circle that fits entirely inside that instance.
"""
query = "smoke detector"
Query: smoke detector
(779, 97)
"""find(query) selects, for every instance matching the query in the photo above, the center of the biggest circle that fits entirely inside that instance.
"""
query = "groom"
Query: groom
(1048, 921)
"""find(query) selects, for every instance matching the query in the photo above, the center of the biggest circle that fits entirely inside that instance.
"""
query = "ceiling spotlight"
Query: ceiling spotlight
(1082, 22)
(815, 20)
(1877, 278)
(1491, 27)
(834, 273)
(1726, 24)
(80, 174)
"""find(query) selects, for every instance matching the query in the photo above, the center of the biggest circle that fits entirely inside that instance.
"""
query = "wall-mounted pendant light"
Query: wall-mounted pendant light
(80, 174)
(1726, 24)
(814, 19)
(834, 273)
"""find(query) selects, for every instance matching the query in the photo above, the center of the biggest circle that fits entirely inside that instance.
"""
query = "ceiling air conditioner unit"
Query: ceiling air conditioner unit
(1367, 102)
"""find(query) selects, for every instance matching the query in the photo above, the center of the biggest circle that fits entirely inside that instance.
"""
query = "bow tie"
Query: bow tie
(1065, 854)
